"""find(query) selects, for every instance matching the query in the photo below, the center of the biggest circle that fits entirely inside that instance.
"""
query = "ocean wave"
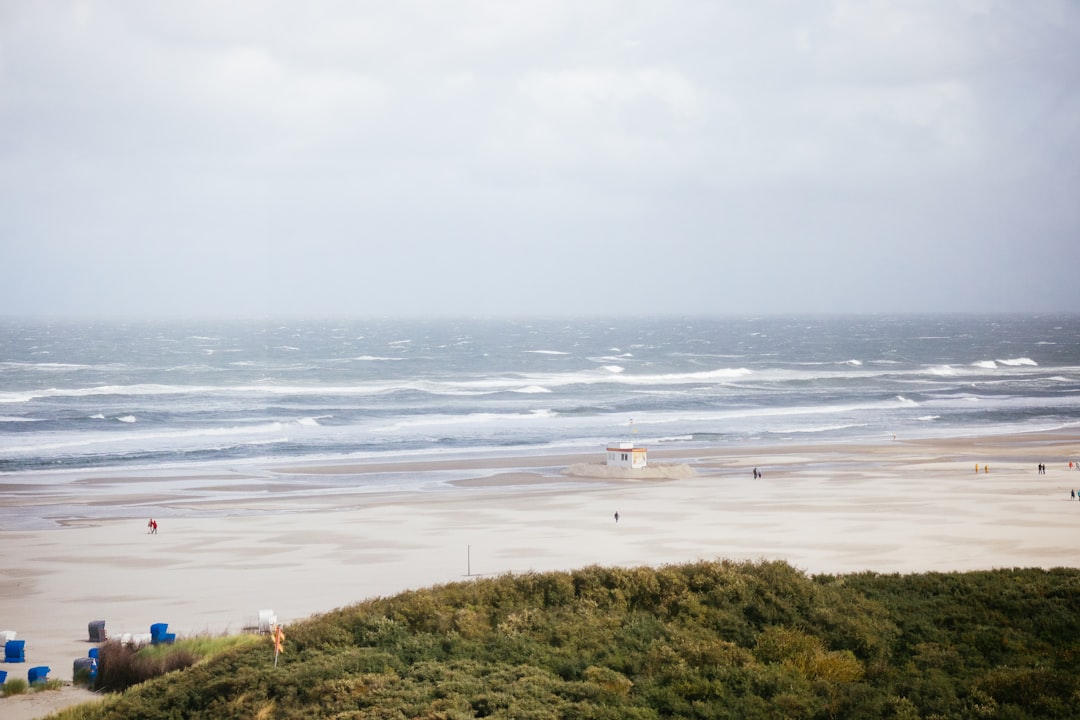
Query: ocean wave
(531, 390)
(1016, 362)
(813, 430)
(547, 352)
(143, 439)
(985, 364)
(125, 418)
(468, 419)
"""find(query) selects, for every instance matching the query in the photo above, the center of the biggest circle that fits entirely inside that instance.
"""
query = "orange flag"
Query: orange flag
(279, 641)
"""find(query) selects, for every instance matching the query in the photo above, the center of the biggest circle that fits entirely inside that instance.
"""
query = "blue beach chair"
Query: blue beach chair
(38, 674)
(15, 651)
(3, 676)
(158, 631)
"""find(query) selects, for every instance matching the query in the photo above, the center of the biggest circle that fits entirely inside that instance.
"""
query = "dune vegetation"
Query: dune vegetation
(702, 640)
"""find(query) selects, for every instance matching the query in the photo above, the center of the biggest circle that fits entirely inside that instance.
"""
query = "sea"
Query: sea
(132, 394)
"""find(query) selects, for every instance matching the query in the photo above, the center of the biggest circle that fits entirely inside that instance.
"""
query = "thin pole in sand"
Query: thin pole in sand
(468, 560)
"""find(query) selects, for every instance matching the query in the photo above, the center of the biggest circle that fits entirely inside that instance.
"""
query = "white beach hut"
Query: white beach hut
(626, 455)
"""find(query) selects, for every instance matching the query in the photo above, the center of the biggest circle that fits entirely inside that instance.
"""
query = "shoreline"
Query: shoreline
(299, 540)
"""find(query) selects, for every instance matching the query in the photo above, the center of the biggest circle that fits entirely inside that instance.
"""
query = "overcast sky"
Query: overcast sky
(539, 158)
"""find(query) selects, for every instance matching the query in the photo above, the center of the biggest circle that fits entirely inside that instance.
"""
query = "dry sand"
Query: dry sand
(898, 506)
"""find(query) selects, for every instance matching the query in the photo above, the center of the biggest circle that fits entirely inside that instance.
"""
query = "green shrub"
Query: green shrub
(703, 640)
(16, 686)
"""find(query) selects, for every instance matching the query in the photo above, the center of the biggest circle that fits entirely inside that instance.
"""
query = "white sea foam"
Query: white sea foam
(985, 364)
(814, 429)
(531, 390)
(547, 352)
(928, 418)
(1015, 362)
(941, 370)
(97, 416)
(613, 368)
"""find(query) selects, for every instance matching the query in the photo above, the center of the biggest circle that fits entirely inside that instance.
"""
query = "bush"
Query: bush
(16, 686)
(121, 666)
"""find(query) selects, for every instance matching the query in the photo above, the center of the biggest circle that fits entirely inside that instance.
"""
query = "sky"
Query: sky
(556, 157)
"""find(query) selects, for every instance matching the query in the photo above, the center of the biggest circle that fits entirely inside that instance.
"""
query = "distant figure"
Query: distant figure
(1072, 494)
(755, 474)
(150, 526)
(986, 468)
(976, 467)
(153, 527)
(616, 516)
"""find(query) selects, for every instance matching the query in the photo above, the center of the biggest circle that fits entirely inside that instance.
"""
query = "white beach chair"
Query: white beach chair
(6, 635)
(267, 620)
(140, 639)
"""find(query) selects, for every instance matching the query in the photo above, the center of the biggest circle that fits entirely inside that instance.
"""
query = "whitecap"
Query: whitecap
(613, 368)
(1014, 362)
(126, 418)
(531, 389)
(928, 418)
(547, 352)
(97, 416)
(985, 365)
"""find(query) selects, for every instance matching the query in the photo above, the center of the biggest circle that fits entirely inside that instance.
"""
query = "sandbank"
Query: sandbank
(300, 539)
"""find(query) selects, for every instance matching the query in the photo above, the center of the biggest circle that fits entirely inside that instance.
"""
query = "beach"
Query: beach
(251, 542)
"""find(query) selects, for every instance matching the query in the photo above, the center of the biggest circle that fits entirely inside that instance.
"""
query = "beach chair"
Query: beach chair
(15, 651)
(97, 631)
(6, 635)
(94, 652)
(3, 676)
(140, 639)
(38, 674)
(267, 620)
(84, 665)
(158, 632)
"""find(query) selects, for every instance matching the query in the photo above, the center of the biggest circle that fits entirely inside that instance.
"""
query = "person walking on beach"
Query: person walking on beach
(150, 526)
(755, 474)
(616, 516)
(153, 526)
